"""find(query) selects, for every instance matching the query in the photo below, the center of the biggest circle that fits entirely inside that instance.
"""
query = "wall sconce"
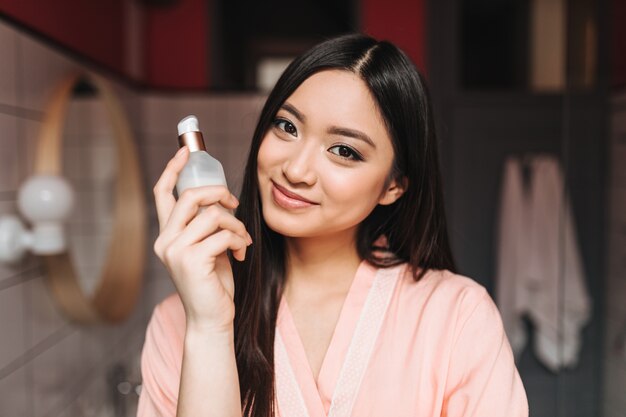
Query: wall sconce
(46, 201)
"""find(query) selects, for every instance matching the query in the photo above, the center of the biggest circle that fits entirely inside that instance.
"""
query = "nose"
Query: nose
(299, 166)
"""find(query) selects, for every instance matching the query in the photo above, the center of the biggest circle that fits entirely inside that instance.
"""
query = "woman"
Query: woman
(339, 297)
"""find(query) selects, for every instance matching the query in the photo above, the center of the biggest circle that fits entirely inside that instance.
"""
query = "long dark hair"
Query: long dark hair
(414, 225)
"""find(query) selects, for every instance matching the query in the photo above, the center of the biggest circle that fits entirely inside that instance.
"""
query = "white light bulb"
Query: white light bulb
(46, 201)
(43, 198)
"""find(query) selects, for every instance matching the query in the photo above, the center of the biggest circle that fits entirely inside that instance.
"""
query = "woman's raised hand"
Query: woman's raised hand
(193, 246)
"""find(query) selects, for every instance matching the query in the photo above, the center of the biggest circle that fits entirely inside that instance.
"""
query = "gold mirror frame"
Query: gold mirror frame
(121, 277)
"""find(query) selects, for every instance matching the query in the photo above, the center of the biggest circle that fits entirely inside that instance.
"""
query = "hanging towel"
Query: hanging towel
(539, 267)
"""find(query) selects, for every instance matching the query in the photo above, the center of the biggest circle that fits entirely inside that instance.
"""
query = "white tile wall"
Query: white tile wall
(13, 395)
(159, 115)
(45, 319)
(8, 146)
(8, 90)
(55, 371)
(39, 69)
(11, 324)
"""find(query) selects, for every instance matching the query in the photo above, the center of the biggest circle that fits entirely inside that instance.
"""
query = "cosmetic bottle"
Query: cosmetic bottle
(201, 168)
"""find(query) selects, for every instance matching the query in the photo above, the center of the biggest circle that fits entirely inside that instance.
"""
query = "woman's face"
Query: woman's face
(328, 144)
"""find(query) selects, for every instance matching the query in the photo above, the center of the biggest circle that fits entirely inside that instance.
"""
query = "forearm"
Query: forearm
(209, 384)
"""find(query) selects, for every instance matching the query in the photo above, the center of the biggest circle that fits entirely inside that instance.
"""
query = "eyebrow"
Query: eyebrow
(336, 130)
(291, 109)
(351, 133)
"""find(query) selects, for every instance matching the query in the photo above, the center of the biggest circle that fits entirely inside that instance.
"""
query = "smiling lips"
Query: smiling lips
(287, 199)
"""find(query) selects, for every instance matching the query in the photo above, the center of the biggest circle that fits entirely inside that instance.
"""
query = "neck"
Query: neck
(321, 263)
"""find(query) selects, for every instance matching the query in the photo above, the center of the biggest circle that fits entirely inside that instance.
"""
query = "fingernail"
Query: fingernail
(180, 152)
(235, 200)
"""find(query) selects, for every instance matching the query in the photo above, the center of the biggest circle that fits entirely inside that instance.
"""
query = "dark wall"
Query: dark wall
(479, 128)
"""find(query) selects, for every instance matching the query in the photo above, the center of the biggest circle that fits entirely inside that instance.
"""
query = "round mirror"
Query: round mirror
(86, 138)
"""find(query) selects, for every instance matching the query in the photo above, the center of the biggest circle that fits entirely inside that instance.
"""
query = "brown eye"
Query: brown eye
(289, 128)
(346, 152)
(286, 126)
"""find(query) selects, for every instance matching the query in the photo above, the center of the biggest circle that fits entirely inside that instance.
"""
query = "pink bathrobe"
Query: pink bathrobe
(401, 348)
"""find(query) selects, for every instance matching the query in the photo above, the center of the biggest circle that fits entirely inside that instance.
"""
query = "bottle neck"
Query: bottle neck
(193, 140)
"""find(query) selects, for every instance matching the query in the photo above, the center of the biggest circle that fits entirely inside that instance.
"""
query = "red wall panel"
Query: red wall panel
(176, 45)
(92, 28)
(402, 22)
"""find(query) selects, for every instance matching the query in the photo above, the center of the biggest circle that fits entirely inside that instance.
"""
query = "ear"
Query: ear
(394, 191)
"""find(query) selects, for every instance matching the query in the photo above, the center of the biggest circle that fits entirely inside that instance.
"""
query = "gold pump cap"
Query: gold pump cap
(189, 134)
(193, 140)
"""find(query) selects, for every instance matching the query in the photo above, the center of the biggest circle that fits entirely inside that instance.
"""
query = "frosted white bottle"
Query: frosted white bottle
(201, 168)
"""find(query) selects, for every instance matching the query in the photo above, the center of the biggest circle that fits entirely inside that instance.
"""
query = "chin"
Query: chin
(309, 226)
(287, 224)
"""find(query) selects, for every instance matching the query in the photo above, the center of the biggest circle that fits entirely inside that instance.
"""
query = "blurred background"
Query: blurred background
(531, 111)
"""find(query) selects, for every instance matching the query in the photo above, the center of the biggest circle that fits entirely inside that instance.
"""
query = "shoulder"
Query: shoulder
(442, 286)
(443, 316)
(448, 307)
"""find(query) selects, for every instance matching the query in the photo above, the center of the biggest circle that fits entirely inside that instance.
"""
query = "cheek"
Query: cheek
(264, 156)
(354, 188)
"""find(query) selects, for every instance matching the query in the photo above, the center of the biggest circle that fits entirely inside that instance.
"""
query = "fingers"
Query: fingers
(223, 240)
(163, 196)
(206, 249)
(208, 222)
(190, 201)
